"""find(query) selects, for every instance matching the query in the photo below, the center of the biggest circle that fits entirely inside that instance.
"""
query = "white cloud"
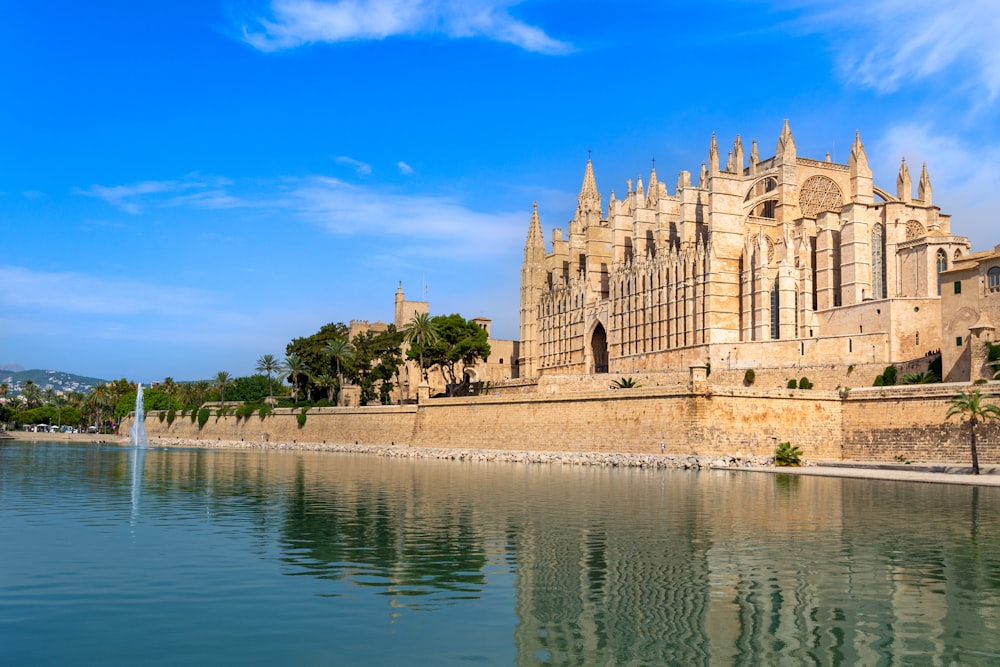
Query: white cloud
(892, 44)
(360, 167)
(434, 224)
(404, 168)
(295, 23)
(134, 197)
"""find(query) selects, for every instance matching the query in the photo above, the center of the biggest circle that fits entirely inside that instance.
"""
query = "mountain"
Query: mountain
(57, 380)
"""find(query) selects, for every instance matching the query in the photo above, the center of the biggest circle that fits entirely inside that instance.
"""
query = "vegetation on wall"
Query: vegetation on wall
(748, 377)
(787, 455)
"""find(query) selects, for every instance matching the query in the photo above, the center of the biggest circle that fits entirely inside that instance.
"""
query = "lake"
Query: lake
(113, 556)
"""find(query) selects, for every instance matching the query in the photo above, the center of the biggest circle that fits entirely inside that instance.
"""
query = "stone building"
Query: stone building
(501, 365)
(970, 308)
(756, 263)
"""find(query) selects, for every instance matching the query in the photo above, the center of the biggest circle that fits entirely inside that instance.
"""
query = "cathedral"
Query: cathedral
(760, 263)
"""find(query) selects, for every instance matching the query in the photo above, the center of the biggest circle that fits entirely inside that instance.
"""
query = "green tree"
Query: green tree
(458, 345)
(268, 365)
(222, 378)
(312, 351)
(970, 406)
(377, 360)
(419, 333)
(31, 394)
(294, 368)
(339, 350)
(329, 383)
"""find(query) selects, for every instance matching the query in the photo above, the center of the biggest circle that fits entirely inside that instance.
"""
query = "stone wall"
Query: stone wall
(871, 424)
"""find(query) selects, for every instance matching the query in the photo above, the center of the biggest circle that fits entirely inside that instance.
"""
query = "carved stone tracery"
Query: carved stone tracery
(819, 194)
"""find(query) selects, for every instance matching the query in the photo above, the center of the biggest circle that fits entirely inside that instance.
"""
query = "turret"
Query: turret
(713, 158)
(904, 188)
(533, 280)
(861, 173)
(924, 188)
(785, 150)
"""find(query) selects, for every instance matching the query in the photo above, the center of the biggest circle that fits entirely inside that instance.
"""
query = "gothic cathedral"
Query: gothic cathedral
(776, 262)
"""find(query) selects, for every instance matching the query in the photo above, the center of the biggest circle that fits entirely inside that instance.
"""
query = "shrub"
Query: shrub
(203, 415)
(786, 455)
(171, 416)
(301, 417)
(244, 411)
(161, 416)
(626, 383)
(265, 410)
(804, 383)
(889, 375)
(749, 377)
(792, 384)
(879, 382)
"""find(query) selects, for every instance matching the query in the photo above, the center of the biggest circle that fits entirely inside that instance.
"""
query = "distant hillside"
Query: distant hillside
(56, 380)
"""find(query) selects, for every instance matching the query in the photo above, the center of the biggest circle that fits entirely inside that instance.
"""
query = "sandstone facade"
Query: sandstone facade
(970, 311)
(777, 262)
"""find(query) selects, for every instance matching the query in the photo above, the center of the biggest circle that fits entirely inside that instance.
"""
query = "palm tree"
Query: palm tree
(420, 332)
(293, 368)
(969, 406)
(268, 364)
(328, 382)
(339, 350)
(222, 378)
(169, 386)
(31, 393)
(200, 387)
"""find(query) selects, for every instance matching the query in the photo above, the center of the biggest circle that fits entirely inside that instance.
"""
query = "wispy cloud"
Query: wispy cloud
(434, 224)
(892, 44)
(404, 168)
(133, 197)
(360, 167)
(293, 23)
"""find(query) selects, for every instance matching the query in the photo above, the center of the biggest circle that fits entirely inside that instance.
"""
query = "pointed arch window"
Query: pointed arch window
(878, 262)
(775, 315)
(942, 265)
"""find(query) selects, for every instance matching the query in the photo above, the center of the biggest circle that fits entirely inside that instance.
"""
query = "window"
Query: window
(775, 315)
(993, 279)
(958, 341)
(958, 287)
(878, 263)
(942, 265)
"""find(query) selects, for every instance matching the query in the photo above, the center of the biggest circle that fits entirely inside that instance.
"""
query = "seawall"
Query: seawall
(874, 424)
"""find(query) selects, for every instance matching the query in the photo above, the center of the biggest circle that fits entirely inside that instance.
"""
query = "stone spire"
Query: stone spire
(785, 150)
(703, 176)
(534, 246)
(654, 189)
(861, 173)
(589, 199)
(713, 157)
(904, 187)
(754, 157)
(738, 156)
(924, 188)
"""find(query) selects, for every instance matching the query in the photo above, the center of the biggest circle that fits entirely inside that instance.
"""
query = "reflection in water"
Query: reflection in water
(592, 566)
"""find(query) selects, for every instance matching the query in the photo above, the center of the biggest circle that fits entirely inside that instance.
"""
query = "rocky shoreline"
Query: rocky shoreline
(607, 460)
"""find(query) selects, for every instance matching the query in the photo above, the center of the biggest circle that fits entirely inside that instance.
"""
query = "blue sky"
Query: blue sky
(188, 185)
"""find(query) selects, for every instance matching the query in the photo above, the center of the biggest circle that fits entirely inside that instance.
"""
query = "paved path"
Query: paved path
(934, 474)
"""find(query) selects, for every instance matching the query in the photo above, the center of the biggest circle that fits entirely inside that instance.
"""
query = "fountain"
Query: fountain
(137, 434)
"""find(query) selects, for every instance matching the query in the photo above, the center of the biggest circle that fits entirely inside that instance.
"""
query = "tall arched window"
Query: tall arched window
(878, 262)
(775, 315)
(993, 279)
(942, 265)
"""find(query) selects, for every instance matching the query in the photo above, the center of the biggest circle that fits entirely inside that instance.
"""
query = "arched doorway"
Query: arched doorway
(599, 349)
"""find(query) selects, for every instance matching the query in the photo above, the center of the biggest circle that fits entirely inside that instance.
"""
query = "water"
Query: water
(262, 558)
